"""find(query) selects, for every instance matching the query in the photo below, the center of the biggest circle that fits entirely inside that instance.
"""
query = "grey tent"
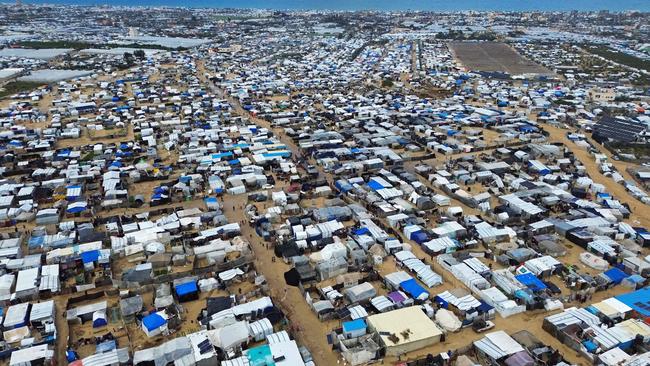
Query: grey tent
(164, 354)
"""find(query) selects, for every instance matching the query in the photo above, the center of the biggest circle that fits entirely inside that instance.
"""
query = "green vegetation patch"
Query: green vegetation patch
(619, 57)
(83, 45)
(16, 87)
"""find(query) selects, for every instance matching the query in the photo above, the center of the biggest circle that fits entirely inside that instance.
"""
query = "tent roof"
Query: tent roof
(186, 288)
(153, 321)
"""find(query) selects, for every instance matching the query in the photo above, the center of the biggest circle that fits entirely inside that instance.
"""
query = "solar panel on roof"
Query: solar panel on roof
(618, 129)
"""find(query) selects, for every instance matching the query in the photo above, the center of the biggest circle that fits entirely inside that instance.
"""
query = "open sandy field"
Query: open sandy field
(494, 56)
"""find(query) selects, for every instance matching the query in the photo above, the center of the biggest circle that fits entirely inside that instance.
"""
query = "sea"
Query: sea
(379, 5)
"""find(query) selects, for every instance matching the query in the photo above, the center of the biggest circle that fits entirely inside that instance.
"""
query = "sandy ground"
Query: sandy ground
(493, 56)
(640, 212)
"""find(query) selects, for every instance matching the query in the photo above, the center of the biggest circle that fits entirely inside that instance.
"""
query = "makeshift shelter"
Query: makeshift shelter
(16, 316)
(37, 354)
(187, 291)
(131, 306)
(414, 289)
(154, 324)
(166, 353)
(99, 319)
(521, 358)
(497, 346)
(260, 329)
(354, 328)
(230, 336)
(448, 320)
(361, 292)
(41, 313)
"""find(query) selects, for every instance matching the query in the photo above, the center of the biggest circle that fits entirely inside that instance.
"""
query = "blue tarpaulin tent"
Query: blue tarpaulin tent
(361, 231)
(36, 241)
(412, 288)
(529, 280)
(616, 275)
(355, 327)
(485, 307)
(590, 345)
(90, 256)
(221, 155)
(99, 319)
(420, 237)
(440, 301)
(187, 291)
(638, 300)
(153, 321)
(284, 154)
(528, 129)
(76, 207)
(260, 356)
(70, 355)
(524, 295)
(374, 185)
(342, 186)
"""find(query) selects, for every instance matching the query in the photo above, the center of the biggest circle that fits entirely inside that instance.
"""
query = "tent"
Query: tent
(153, 324)
(90, 256)
(593, 261)
(73, 193)
(99, 319)
(187, 291)
(616, 275)
(531, 281)
(354, 328)
(412, 288)
(76, 207)
(260, 329)
(520, 359)
(420, 237)
(16, 316)
(165, 353)
(448, 321)
(230, 336)
(361, 292)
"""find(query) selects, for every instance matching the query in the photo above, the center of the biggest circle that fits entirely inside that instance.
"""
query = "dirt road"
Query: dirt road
(640, 212)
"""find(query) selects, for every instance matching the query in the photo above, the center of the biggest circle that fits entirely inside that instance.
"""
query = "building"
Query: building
(404, 330)
(601, 95)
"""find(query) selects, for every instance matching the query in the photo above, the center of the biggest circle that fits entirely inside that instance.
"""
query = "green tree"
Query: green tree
(128, 58)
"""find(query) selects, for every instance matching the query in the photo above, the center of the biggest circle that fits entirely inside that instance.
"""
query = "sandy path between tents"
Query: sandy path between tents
(312, 332)
(640, 212)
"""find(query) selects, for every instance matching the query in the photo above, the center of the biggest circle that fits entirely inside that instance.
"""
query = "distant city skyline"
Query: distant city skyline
(349, 5)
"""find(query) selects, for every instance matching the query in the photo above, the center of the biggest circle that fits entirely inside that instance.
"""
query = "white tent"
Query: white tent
(360, 292)
(230, 336)
(448, 321)
(260, 329)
